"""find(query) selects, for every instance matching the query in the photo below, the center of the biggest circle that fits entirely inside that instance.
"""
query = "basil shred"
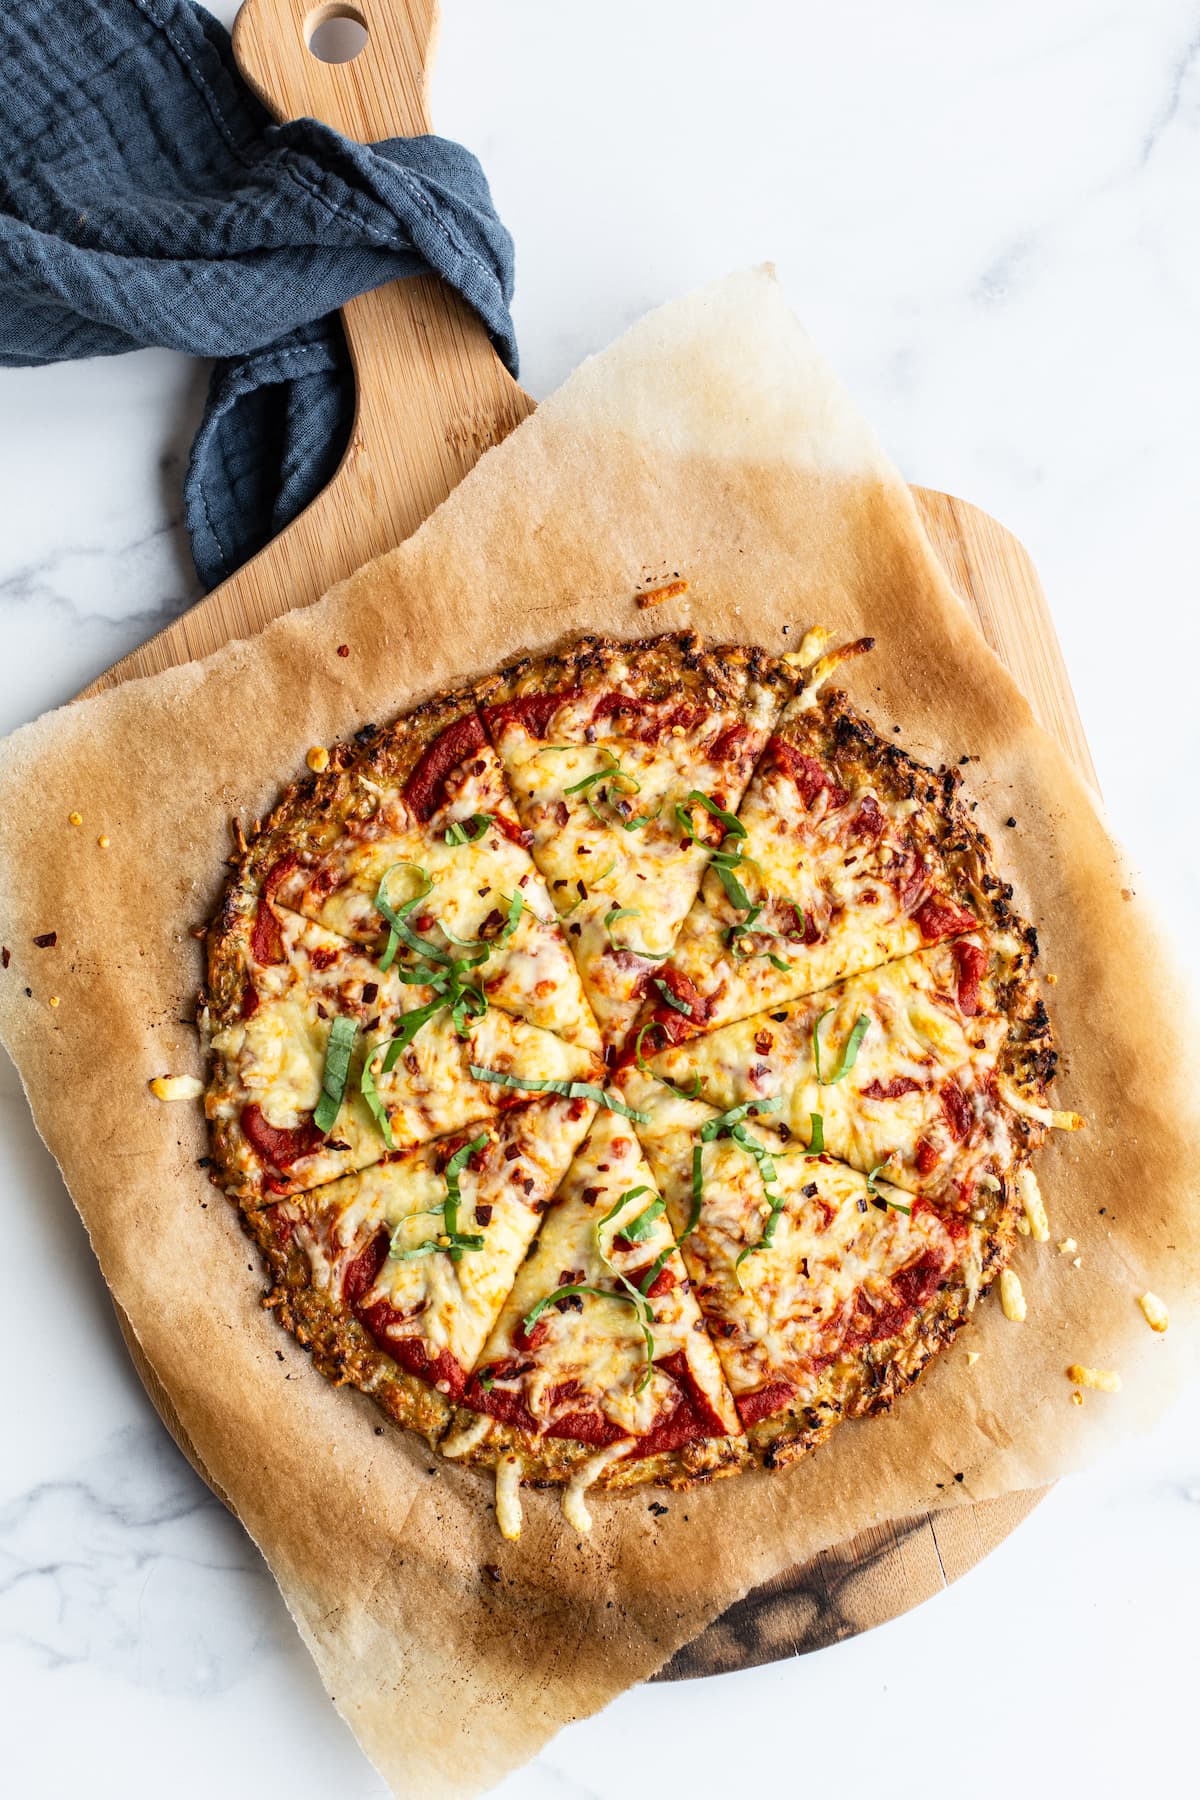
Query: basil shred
(881, 1200)
(630, 912)
(732, 1123)
(343, 1034)
(644, 1066)
(850, 1051)
(616, 780)
(636, 1231)
(468, 831)
(639, 1304)
(570, 1090)
(450, 1239)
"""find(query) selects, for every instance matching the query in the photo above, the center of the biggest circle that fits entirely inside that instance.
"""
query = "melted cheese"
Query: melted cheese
(531, 973)
(856, 896)
(597, 1346)
(593, 865)
(574, 1504)
(430, 1091)
(447, 1305)
(916, 1036)
(275, 1058)
(828, 1266)
(508, 1496)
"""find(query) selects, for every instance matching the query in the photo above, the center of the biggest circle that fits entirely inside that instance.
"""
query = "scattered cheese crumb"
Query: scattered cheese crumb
(671, 590)
(175, 1087)
(1076, 1398)
(318, 759)
(1105, 1381)
(104, 842)
(75, 818)
(1157, 1316)
(54, 1000)
(1035, 1208)
(1077, 1262)
(972, 1358)
(464, 1438)
(1012, 1298)
(1067, 1246)
(508, 1496)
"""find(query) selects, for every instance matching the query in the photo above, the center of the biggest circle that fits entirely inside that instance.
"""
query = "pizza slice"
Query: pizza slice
(825, 1292)
(626, 761)
(409, 845)
(933, 1070)
(323, 1061)
(394, 1276)
(599, 1369)
(848, 854)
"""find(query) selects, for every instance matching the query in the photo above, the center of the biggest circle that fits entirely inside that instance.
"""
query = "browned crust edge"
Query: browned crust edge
(674, 665)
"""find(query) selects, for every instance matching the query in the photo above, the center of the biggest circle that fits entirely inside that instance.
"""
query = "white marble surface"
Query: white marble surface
(987, 216)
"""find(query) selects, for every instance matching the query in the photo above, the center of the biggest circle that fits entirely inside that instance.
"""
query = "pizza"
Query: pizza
(628, 1065)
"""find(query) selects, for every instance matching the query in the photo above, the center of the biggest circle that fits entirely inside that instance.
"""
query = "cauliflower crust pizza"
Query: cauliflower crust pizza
(628, 1067)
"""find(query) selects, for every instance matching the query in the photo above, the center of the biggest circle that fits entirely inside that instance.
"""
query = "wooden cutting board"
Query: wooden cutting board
(432, 397)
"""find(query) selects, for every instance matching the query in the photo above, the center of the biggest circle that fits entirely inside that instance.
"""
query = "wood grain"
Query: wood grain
(432, 397)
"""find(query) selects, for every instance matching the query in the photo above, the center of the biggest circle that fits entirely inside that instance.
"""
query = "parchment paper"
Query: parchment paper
(712, 441)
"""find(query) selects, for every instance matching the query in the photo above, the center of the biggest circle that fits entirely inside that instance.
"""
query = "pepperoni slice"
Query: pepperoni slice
(917, 1281)
(610, 705)
(515, 833)
(957, 1108)
(585, 1427)
(676, 1026)
(733, 743)
(939, 918)
(868, 822)
(764, 1401)
(810, 778)
(279, 1145)
(425, 788)
(895, 1089)
(531, 711)
(529, 1340)
(926, 1157)
(972, 965)
(362, 1274)
(266, 938)
(409, 1352)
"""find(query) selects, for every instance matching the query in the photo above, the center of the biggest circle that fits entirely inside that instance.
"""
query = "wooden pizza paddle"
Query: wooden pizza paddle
(432, 397)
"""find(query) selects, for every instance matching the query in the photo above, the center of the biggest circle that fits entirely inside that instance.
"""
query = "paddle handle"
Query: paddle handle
(432, 395)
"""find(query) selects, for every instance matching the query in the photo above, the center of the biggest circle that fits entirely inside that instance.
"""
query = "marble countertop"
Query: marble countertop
(987, 217)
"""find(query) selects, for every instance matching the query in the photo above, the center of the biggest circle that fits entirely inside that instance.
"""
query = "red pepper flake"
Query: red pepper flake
(5, 956)
(47, 940)
(343, 649)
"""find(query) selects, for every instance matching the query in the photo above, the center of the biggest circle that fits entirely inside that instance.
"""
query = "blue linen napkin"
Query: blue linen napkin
(147, 198)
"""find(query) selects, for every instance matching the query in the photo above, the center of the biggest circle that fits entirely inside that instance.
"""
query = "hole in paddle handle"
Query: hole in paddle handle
(336, 34)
